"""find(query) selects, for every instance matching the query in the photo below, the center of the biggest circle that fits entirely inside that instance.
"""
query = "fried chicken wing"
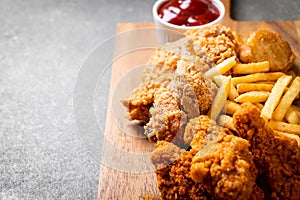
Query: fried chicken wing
(276, 156)
(264, 45)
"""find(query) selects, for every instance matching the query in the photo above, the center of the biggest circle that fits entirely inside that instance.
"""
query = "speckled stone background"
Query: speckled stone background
(42, 46)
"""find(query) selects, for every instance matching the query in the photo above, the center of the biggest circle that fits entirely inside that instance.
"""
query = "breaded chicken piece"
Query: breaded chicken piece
(264, 45)
(201, 50)
(139, 103)
(172, 166)
(201, 123)
(142, 98)
(218, 41)
(276, 156)
(204, 90)
(218, 166)
(185, 97)
(158, 73)
(224, 162)
(166, 117)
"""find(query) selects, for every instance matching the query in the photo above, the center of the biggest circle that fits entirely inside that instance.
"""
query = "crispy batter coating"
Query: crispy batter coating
(172, 170)
(185, 97)
(218, 41)
(201, 123)
(142, 98)
(165, 118)
(165, 154)
(276, 156)
(218, 166)
(223, 161)
(203, 89)
(190, 57)
(159, 72)
(265, 45)
(227, 165)
(139, 103)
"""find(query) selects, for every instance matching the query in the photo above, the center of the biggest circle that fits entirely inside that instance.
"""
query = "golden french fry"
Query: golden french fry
(291, 116)
(247, 87)
(259, 106)
(275, 96)
(221, 80)
(296, 109)
(290, 135)
(285, 127)
(220, 100)
(221, 68)
(253, 97)
(287, 100)
(270, 76)
(233, 93)
(226, 121)
(251, 68)
(268, 82)
(231, 107)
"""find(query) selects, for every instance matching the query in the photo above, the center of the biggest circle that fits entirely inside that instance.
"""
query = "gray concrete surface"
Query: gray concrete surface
(42, 46)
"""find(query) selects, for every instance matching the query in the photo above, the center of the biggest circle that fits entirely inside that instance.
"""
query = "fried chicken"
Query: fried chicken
(219, 165)
(174, 106)
(276, 156)
(201, 49)
(158, 73)
(165, 118)
(142, 98)
(172, 166)
(264, 45)
(218, 41)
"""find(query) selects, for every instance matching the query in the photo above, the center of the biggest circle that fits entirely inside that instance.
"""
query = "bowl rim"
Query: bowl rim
(218, 3)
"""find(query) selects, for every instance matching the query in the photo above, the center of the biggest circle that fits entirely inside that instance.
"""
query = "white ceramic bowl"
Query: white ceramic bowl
(168, 32)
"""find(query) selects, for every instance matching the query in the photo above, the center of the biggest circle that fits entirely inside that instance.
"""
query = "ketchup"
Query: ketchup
(188, 12)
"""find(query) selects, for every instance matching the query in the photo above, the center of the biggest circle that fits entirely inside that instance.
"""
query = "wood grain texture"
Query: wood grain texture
(120, 181)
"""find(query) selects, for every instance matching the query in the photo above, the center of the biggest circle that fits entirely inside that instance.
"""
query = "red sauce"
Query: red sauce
(188, 12)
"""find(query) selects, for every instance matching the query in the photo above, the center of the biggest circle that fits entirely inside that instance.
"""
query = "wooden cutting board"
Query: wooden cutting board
(118, 178)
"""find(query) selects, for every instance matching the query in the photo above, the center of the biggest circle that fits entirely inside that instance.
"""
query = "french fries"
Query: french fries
(231, 107)
(273, 93)
(287, 100)
(253, 97)
(259, 106)
(290, 135)
(247, 87)
(220, 99)
(291, 116)
(233, 93)
(285, 127)
(251, 68)
(226, 121)
(221, 68)
(275, 96)
(297, 110)
(252, 78)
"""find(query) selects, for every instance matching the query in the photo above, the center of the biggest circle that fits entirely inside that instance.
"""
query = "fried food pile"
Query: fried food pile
(178, 67)
(219, 165)
(222, 111)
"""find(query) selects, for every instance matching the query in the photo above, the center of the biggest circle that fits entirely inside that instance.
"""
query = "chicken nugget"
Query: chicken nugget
(264, 45)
